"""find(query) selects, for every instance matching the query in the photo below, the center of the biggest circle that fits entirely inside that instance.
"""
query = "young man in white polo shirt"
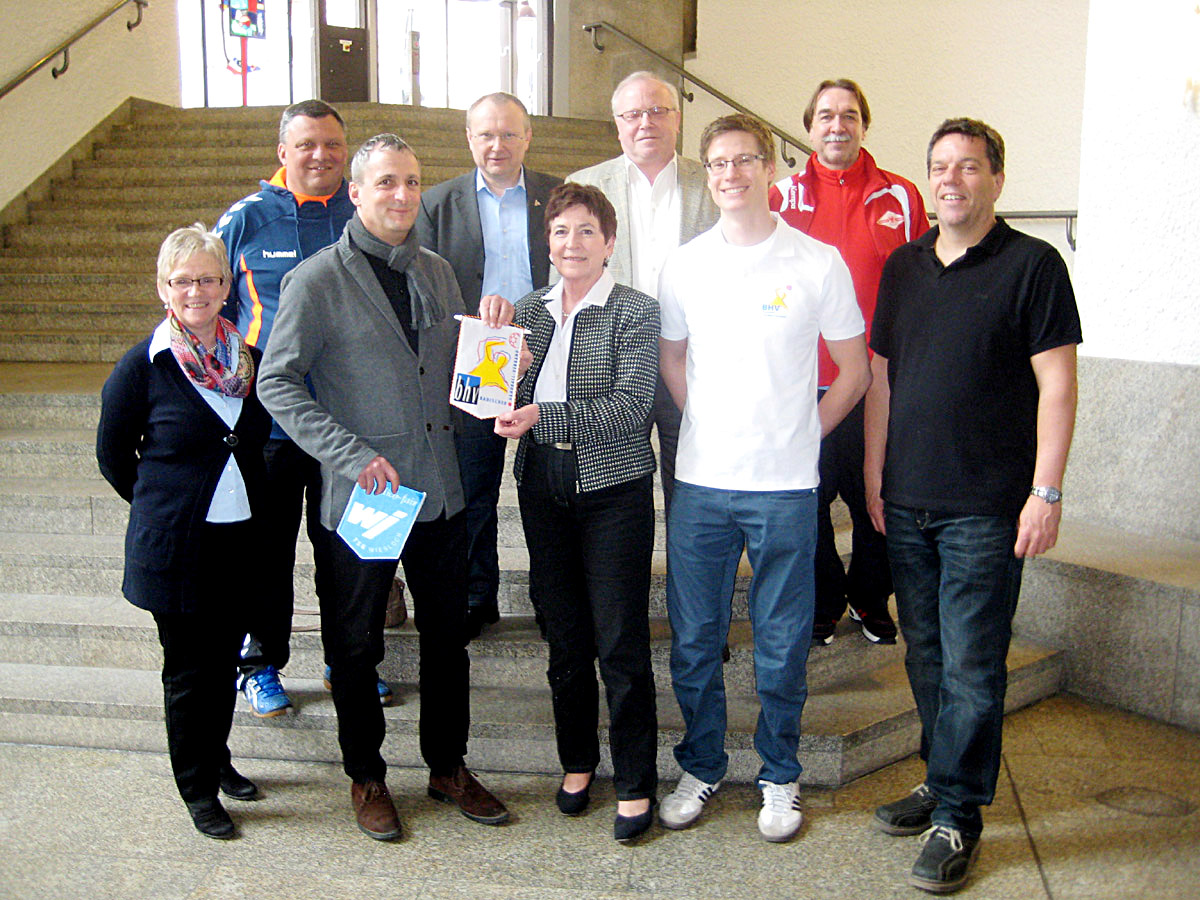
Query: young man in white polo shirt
(742, 307)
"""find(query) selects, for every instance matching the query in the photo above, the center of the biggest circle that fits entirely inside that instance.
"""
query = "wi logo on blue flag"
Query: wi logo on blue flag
(375, 526)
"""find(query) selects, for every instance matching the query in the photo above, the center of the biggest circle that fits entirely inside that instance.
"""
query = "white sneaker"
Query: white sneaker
(780, 817)
(681, 807)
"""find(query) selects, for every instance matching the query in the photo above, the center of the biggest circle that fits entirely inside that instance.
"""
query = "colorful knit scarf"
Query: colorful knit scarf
(213, 370)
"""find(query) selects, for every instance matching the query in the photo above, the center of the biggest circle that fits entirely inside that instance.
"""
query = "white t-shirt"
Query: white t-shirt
(751, 316)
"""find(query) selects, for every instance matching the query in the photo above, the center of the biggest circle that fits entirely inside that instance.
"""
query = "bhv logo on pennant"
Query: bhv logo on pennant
(375, 526)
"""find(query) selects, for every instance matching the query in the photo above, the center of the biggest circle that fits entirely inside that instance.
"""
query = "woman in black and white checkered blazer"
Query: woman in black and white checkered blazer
(584, 471)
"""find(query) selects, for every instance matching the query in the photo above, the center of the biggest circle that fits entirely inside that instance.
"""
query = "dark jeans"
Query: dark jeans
(200, 656)
(352, 630)
(291, 473)
(481, 464)
(668, 418)
(868, 584)
(957, 583)
(589, 579)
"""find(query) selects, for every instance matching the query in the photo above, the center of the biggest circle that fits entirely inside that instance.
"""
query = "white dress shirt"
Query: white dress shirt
(551, 385)
(654, 211)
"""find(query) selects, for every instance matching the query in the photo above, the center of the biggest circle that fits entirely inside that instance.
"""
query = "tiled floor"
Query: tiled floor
(1093, 803)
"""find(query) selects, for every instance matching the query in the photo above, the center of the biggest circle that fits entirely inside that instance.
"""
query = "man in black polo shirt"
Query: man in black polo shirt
(973, 401)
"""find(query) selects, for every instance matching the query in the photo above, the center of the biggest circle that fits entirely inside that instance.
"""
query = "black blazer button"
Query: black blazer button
(231, 440)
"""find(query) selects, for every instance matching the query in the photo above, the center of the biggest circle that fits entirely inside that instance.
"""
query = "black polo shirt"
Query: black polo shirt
(962, 430)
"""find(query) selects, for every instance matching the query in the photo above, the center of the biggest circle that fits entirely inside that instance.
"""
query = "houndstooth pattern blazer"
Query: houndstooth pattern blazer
(610, 386)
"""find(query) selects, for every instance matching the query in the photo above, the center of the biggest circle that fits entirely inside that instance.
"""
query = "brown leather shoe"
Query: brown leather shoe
(464, 791)
(374, 810)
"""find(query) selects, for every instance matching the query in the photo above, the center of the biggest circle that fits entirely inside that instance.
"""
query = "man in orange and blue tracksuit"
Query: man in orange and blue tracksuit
(842, 198)
(301, 209)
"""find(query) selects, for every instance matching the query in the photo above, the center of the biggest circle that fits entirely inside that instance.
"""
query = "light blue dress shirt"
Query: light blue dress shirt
(505, 224)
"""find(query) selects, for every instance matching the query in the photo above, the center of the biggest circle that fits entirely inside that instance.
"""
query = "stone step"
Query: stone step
(71, 411)
(44, 345)
(33, 505)
(42, 452)
(79, 316)
(122, 215)
(856, 726)
(87, 286)
(91, 565)
(236, 180)
(361, 118)
(108, 632)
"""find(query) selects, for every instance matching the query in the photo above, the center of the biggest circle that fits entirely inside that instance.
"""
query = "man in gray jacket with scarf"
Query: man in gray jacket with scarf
(369, 321)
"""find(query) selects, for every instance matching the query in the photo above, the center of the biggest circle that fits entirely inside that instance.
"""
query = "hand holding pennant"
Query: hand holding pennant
(484, 381)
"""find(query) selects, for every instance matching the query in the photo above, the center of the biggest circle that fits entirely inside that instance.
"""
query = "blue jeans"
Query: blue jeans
(957, 583)
(708, 528)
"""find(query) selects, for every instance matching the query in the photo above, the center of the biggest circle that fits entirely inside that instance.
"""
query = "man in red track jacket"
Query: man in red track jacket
(844, 199)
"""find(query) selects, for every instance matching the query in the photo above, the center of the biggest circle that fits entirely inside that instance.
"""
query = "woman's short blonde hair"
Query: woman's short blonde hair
(184, 243)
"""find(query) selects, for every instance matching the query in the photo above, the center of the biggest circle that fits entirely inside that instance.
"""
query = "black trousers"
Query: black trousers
(200, 657)
(589, 580)
(668, 418)
(481, 464)
(291, 473)
(435, 562)
(868, 583)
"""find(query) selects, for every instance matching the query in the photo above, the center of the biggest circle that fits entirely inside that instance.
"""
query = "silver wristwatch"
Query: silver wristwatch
(1049, 494)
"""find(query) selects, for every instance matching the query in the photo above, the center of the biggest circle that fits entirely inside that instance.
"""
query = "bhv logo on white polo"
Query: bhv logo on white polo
(375, 526)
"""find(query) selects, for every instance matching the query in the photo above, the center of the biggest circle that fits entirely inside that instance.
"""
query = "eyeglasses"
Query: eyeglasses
(656, 114)
(204, 281)
(717, 166)
(486, 137)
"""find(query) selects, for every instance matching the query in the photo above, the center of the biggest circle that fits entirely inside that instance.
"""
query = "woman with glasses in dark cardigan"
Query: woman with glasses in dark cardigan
(584, 472)
(181, 438)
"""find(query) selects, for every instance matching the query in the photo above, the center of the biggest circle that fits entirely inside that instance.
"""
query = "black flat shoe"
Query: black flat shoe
(573, 803)
(628, 828)
(236, 785)
(211, 820)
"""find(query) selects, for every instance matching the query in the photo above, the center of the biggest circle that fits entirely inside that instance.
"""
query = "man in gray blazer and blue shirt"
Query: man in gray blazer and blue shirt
(662, 201)
(370, 321)
(488, 225)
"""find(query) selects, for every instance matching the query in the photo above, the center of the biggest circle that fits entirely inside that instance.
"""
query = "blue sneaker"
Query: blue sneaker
(385, 692)
(265, 693)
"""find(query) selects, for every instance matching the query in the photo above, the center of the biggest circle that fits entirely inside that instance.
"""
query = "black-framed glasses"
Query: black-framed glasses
(656, 114)
(717, 166)
(204, 281)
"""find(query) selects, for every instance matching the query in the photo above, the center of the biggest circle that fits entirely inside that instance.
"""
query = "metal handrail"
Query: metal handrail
(65, 47)
(784, 138)
(593, 28)
(1070, 216)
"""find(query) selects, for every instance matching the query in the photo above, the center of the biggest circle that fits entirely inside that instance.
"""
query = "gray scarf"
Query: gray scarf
(427, 307)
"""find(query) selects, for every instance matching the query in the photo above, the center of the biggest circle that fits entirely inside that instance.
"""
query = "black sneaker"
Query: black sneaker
(823, 633)
(908, 815)
(945, 860)
(877, 626)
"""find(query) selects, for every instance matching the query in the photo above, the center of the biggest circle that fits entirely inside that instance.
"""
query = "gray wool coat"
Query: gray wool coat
(372, 395)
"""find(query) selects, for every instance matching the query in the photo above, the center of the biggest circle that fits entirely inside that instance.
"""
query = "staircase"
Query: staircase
(79, 665)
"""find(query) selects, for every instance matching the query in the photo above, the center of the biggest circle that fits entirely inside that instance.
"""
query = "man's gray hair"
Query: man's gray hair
(183, 243)
(379, 142)
(497, 98)
(313, 109)
(643, 75)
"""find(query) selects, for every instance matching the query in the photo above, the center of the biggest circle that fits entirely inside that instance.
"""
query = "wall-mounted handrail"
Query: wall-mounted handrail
(64, 49)
(593, 29)
(1070, 216)
(784, 138)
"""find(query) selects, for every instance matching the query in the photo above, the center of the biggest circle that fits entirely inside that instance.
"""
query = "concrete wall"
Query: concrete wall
(584, 79)
(44, 117)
